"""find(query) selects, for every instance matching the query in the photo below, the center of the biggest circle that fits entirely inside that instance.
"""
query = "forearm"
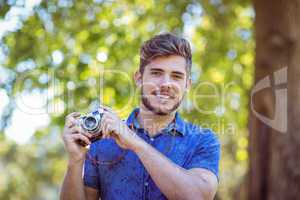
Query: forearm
(174, 181)
(73, 187)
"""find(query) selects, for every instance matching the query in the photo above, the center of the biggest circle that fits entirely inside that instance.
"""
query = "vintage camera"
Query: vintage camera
(91, 123)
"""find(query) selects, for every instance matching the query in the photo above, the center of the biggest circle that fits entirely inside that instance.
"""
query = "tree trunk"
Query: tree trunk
(275, 152)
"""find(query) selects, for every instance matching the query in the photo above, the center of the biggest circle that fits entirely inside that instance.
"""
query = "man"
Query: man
(154, 154)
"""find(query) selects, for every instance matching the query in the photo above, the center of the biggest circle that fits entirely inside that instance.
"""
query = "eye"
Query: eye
(155, 73)
(177, 77)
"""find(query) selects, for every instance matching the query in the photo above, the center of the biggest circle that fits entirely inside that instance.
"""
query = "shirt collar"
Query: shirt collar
(178, 124)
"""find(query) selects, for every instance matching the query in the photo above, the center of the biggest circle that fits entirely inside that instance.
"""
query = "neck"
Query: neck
(152, 122)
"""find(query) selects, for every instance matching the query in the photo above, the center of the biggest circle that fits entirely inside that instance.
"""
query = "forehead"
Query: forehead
(168, 63)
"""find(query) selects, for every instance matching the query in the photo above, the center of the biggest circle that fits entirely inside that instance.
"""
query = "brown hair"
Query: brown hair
(165, 45)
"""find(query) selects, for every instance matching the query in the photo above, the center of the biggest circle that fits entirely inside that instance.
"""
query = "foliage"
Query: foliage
(63, 48)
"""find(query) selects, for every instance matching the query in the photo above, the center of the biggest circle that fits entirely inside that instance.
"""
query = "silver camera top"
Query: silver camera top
(91, 122)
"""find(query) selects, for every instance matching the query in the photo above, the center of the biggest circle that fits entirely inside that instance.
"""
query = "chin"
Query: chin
(163, 109)
(160, 108)
(159, 111)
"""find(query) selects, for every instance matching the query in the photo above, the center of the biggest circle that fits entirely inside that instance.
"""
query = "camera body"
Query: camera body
(91, 123)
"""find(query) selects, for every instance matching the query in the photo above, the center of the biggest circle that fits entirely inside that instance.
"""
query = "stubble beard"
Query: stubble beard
(158, 111)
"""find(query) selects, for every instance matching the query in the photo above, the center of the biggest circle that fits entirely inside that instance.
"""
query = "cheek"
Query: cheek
(147, 89)
(149, 86)
(179, 88)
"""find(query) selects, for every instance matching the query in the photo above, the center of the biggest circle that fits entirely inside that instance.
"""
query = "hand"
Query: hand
(113, 126)
(72, 135)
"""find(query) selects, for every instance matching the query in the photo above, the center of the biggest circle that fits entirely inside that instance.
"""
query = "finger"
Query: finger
(71, 123)
(104, 123)
(87, 134)
(78, 129)
(107, 129)
(81, 137)
(72, 116)
(105, 108)
(111, 129)
(105, 134)
(75, 130)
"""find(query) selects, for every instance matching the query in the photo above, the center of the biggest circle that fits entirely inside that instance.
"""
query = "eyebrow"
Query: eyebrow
(156, 69)
(174, 72)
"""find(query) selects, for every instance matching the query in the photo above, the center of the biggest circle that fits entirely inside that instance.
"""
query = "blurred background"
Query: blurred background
(60, 56)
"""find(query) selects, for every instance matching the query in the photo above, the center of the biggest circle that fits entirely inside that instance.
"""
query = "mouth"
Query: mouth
(163, 95)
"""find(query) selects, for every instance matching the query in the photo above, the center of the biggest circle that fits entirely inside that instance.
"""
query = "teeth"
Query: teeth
(163, 96)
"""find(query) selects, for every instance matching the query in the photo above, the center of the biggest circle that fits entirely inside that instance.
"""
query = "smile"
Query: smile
(163, 96)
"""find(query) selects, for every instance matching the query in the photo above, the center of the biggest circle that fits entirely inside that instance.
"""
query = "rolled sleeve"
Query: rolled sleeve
(206, 154)
(90, 172)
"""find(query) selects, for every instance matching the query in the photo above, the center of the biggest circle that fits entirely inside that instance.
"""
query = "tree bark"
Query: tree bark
(274, 156)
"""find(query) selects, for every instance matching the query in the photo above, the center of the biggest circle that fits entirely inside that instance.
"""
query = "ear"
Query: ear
(138, 78)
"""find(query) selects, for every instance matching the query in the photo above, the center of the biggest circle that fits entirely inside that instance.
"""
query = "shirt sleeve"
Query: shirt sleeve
(90, 170)
(207, 153)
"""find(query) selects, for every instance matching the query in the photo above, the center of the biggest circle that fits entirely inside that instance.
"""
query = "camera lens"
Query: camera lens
(90, 123)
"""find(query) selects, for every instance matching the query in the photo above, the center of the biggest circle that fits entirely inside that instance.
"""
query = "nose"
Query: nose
(166, 82)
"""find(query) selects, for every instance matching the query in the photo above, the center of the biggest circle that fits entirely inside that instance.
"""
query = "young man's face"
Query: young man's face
(164, 83)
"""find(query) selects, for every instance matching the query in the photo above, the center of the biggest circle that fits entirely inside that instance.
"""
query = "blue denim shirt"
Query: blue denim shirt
(119, 174)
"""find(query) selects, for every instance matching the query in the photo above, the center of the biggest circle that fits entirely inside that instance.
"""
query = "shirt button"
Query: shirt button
(146, 184)
(152, 139)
